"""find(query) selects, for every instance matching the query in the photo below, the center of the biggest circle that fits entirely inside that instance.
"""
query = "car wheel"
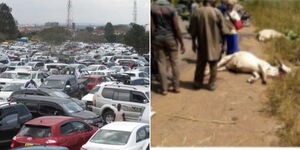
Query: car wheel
(108, 116)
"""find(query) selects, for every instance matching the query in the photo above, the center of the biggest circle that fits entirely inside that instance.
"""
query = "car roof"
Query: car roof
(60, 77)
(123, 126)
(56, 100)
(49, 120)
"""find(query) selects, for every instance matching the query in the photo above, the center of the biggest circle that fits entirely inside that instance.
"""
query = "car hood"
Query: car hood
(88, 97)
(85, 115)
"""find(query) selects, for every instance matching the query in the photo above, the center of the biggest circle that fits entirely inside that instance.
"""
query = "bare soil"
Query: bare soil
(232, 115)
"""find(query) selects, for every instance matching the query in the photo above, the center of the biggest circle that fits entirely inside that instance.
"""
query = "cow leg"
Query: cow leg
(253, 78)
(221, 64)
(263, 75)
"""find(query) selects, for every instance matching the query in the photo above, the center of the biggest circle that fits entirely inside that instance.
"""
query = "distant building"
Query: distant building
(30, 28)
(51, 24)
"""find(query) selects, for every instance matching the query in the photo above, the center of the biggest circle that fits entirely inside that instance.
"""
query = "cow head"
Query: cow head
(283, 69)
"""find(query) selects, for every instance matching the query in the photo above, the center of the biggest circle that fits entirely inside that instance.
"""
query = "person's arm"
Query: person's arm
(178, 34)
(123, 117)
(193, 32)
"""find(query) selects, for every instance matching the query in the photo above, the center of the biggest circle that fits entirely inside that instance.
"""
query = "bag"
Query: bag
(238, 24)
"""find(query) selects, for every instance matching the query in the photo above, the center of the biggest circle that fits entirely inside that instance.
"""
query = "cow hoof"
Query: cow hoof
(264, 82)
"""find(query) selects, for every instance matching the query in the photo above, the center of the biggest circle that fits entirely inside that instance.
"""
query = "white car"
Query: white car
(136, 74)
(102, 72)
(91, 68)
(8, 89)
(120, 136)
(88, 98)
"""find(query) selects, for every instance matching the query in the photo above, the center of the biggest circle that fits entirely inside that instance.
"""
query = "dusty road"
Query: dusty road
(230, 116)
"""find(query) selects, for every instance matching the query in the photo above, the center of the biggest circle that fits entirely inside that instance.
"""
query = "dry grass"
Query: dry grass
(284, 93)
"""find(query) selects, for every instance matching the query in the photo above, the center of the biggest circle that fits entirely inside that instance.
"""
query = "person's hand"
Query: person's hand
(195, 47)
(182, 49)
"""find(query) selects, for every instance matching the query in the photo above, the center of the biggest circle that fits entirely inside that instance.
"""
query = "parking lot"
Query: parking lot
(68, 95)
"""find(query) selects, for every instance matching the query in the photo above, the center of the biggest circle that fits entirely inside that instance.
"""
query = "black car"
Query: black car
(12, 117)
(54, 106)
(47, 92)
(68, 84)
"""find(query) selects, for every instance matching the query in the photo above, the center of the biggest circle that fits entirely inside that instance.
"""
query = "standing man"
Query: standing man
(165, 37)
(207, 29)
(119, 114)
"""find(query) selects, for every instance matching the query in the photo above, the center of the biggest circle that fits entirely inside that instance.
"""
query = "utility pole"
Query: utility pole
(134, 12)
(69, 17)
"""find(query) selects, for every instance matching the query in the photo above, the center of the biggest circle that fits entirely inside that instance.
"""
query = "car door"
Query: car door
(142, 138)
(49, 109)
(9, 124)
(69, 136)
(104, 97)
(132, 111)
(84, 131)
(138, 101)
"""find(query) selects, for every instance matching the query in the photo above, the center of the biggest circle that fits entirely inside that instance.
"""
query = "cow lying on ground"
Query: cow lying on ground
(246, 62)
(268, 34)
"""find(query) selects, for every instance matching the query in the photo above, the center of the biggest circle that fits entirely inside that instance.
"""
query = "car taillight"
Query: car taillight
(51, 142)
(10, 99)
(15, 143)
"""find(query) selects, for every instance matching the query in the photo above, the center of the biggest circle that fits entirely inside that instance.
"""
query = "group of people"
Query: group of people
(209, 27)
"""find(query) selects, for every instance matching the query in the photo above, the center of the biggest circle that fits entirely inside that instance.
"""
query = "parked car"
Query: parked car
(8, 89)
(53, 106)
(93, 80)
(54, 130)
(134, 74)
(139, 81)
(36, 65)
(67, 84)
(132, 99)
(47, 92)
(41, 147)
(120, 136)
(95, 68)
(12, 117)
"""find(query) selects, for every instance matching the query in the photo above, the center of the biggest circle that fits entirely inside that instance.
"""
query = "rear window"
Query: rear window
(111, 137)
(35, 131)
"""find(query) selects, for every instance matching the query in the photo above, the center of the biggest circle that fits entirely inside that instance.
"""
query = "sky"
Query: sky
(94, 12)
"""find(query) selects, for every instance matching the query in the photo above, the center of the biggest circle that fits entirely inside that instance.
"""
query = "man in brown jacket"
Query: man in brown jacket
(207, 27)
(166, 35)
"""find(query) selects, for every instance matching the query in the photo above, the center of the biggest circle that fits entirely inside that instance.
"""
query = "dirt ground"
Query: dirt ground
(230, 116)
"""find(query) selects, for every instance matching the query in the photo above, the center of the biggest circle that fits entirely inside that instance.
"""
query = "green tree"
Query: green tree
(109, 33)
(89, 29)
(138, 38)
(55, 35)
(8, 27)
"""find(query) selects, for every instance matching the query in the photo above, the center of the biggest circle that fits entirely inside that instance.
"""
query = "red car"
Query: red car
(64, 131)
(93, 80)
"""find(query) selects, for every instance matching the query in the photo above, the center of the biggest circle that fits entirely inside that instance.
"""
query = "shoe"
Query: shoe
(211, 87)
(176, 91)
(164, 93)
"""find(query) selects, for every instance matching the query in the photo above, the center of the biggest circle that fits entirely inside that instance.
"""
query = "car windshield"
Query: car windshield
(8, 75)
(12, 87)
(54, 84)
(91, 68)
(95, 89)
(24, 76)
(61, 94)
(35, 131)
(72, 107)
(111, 137)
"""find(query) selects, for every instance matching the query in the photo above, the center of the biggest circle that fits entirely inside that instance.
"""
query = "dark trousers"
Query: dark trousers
(200, 72)
(167, 51)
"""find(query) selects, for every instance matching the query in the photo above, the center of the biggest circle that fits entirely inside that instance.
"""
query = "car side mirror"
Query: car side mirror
(145, 101)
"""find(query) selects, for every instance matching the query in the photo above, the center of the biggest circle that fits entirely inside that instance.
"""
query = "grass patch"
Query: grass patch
(281, 16)
(284, 93)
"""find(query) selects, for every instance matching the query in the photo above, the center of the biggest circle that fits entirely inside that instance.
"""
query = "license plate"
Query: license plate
(28, 144)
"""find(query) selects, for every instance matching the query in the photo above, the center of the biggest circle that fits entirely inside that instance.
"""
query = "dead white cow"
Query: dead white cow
(246, 62)
(268, 34)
